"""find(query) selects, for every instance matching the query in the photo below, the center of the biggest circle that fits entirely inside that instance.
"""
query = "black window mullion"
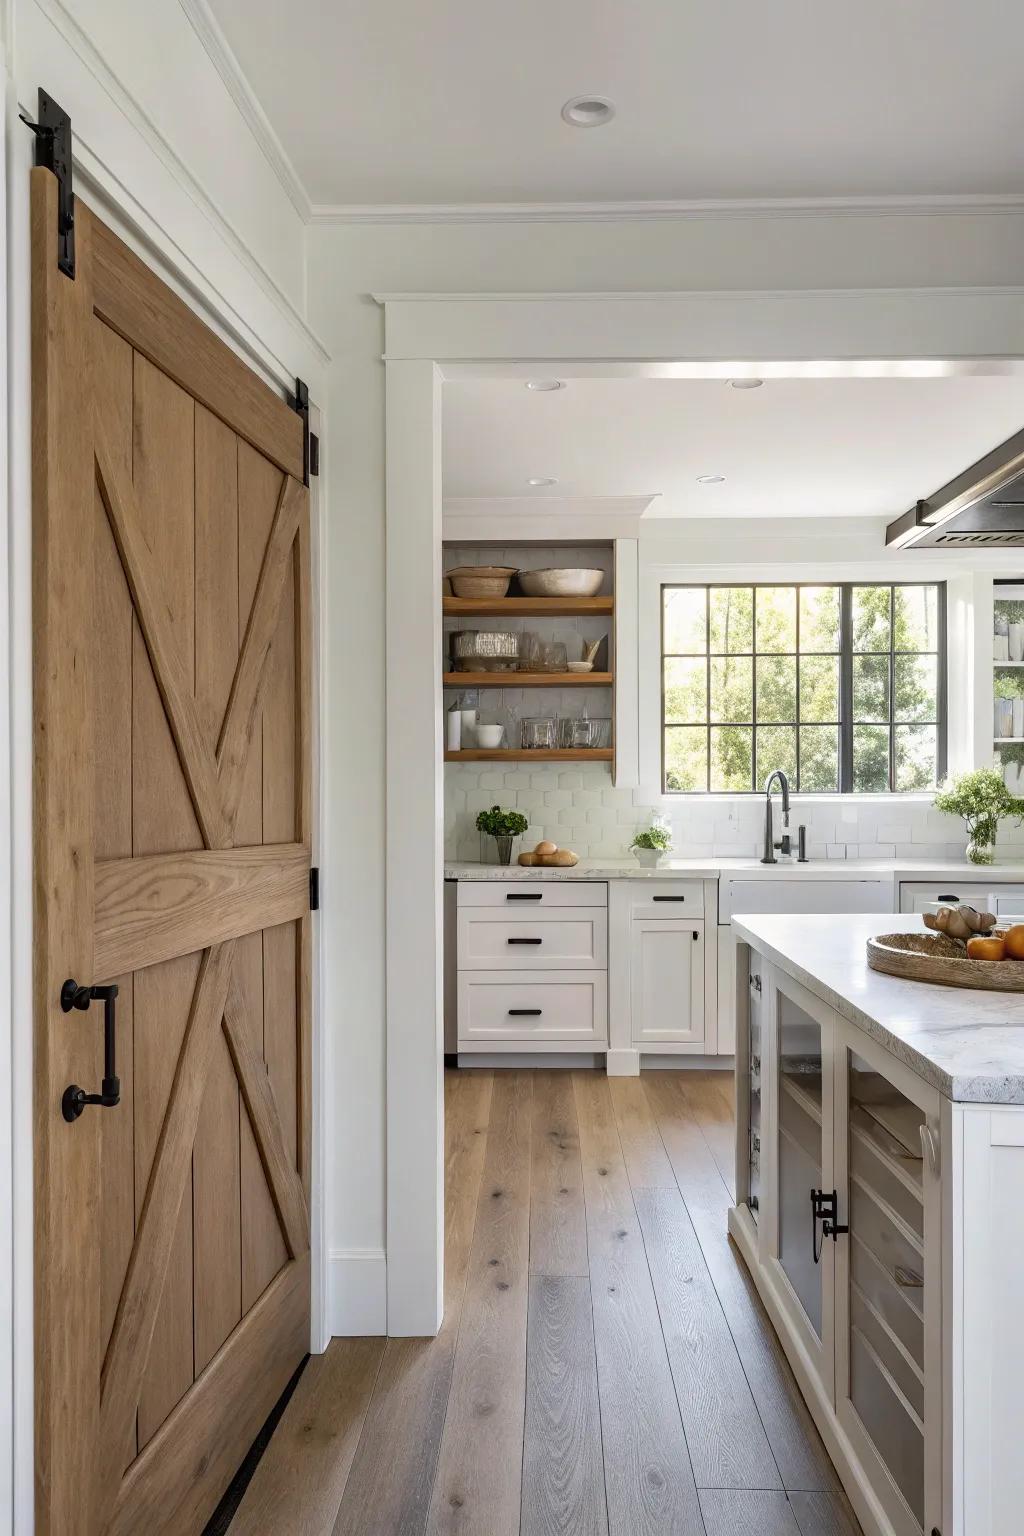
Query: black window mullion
(753, 690)
(845, 688)
(940, 684)
(892, 689)
(707, 711)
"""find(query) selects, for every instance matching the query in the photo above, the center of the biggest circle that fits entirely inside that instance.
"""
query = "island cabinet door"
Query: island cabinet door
(797, 1035)
(887, 1279)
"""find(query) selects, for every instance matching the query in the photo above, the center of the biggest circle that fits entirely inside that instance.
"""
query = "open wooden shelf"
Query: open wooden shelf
(528, 679)
(540, 754)
(524, 607)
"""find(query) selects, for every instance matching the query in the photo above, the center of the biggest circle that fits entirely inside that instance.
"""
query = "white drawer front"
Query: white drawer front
(532, 895)
(667, 898)
(547, 1005)
(574, 938)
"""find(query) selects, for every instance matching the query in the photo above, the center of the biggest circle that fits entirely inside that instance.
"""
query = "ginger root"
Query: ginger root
(959, 922)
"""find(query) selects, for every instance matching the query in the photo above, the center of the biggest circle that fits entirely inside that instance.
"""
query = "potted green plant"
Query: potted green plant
(982, 799)
(504, 827)
(650, 846)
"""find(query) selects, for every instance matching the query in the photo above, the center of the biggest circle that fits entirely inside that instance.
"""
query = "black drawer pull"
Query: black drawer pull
(669, 898)
(947, 896)
(525, 941)
(524, 895)
(525, 1013)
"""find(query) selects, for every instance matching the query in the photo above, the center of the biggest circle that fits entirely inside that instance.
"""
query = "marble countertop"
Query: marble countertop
(969, 1045)
(749, 868)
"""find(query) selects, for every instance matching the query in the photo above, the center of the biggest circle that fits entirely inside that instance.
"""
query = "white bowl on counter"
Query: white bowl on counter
(561, 583)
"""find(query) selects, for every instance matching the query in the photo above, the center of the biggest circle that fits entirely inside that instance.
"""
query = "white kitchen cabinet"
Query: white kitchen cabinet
(667, 982)
(1006, 901)
(532, 966)
(840, 1221)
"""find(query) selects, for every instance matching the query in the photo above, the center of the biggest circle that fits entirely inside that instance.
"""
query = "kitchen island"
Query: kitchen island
(880, 1210)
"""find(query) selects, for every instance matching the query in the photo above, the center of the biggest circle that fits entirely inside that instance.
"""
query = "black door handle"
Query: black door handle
(824, 1208)
(525, 941)
(524, 1013)
(668, 898)
(75, 1099)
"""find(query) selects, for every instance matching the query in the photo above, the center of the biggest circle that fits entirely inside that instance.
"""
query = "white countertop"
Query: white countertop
(969, 1045)
(749, 868)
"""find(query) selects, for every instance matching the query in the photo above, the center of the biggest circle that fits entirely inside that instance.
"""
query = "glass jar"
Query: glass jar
(538, 734)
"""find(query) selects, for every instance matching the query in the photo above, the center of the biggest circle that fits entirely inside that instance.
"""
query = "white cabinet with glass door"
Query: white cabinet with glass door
(838, 1217)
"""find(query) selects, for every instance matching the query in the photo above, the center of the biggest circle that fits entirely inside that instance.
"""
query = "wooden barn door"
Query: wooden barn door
(172, 841)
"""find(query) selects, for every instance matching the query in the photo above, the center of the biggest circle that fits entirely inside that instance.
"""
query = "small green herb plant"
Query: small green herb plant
(499, 823)
(658, 838)
(982, 799)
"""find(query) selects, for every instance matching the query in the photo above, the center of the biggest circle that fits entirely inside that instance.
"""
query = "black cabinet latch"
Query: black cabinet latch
(75, 1099)
(314, 889)
(824, 1208)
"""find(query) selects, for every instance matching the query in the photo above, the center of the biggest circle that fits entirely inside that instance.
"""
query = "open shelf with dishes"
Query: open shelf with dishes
(534, 680)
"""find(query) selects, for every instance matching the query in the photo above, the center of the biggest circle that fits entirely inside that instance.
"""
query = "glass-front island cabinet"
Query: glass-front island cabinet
(870, 1214)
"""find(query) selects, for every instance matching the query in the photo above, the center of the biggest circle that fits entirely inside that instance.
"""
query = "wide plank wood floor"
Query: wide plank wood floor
(605, 1367)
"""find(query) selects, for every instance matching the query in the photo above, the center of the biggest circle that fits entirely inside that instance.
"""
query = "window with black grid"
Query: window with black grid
(841, 685)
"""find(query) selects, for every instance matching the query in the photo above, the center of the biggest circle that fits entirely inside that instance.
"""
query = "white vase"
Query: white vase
(1015, 642)
(1018, 717)
(650, 858)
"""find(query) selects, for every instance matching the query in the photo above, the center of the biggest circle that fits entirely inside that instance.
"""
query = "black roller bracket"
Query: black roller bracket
(299, 403)
(53, 151)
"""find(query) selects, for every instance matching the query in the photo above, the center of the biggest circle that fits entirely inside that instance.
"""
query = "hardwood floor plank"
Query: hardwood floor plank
(297, 1486)
(648, 1478)
(563, 1468)
(801, 1457)
(824, 1514)
(727, 1442)
(647, 1164)
(389, 1485)
(709, 1102)
(479, 1472)
(558, 1219)
(734, 1512)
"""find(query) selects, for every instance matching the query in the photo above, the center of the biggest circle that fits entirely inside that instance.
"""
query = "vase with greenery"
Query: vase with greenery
(982, 799)
(650, 846)
(504, 827)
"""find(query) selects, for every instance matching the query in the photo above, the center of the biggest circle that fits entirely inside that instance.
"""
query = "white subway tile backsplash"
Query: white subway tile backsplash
(581, 808)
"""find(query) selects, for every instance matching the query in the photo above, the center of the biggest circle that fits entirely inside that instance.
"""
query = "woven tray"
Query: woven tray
(932, 957)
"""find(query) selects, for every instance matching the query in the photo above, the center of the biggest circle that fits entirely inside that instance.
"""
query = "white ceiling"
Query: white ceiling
(398, 101)
(793, 448)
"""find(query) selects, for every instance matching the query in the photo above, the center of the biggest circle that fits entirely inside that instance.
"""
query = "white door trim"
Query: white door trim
(428, 337)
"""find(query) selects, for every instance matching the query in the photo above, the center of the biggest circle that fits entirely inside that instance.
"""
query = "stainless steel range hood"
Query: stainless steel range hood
(982, 508)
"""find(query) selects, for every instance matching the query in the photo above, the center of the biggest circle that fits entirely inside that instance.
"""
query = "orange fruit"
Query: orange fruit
(986, 949)
(1013, 938)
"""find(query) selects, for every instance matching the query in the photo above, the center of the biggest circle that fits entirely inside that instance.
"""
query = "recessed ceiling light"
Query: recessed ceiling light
(588, 111)
(544, 386)
(710, 479)
(541, 480)
(746, 383)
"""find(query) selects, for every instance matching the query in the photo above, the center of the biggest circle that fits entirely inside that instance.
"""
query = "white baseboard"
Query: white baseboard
(357, 1292)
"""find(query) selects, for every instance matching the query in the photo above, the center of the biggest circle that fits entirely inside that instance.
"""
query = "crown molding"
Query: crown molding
(222, 56)
(57, 13)
(967, 204)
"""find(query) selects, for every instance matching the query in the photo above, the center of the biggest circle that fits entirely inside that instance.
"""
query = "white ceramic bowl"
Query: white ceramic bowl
(561, 583)
(489, 736)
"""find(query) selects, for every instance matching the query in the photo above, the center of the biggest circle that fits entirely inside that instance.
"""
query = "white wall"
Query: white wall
(163, 153)
(346, 265)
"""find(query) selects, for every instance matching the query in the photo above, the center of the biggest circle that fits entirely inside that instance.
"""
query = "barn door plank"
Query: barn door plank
(128, 1357)
(216, 1220)
(67, 1323)
(158, 624)
(240, 720)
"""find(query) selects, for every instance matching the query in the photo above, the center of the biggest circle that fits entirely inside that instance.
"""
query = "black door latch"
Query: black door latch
(74, 1098)
(824, 1208)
